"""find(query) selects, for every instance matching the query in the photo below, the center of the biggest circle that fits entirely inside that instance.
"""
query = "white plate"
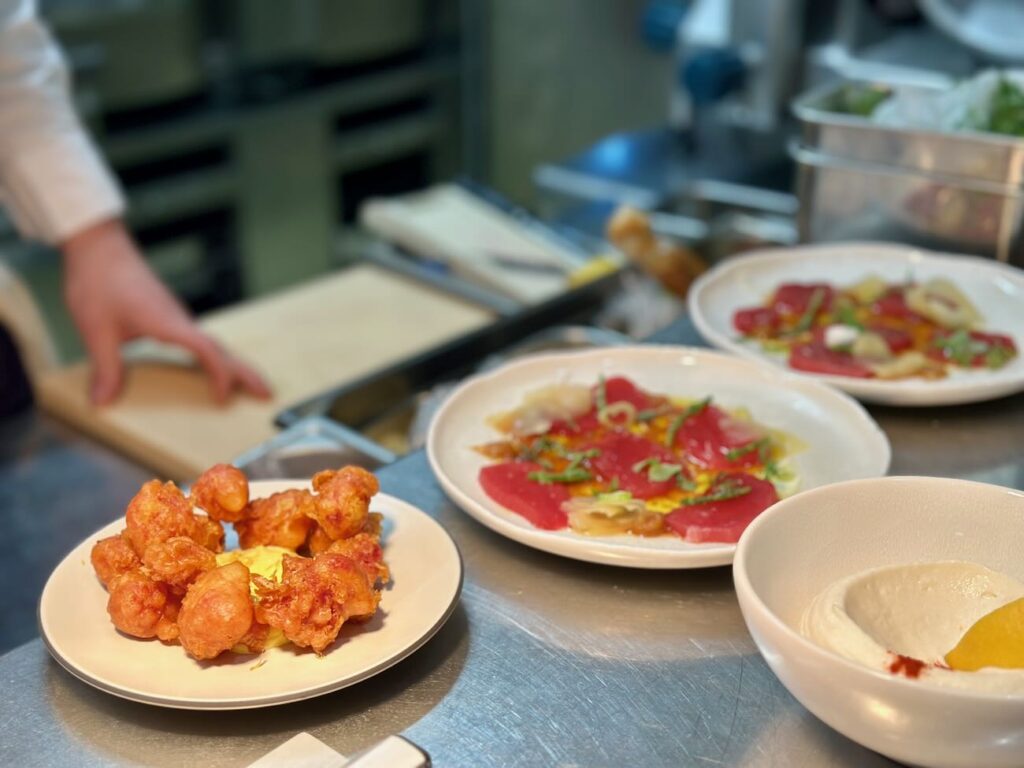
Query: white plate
(996, 289)
(426, 580)
(842, 440)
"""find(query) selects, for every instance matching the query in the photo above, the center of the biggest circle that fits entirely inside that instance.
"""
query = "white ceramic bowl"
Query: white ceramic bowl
(798, 547)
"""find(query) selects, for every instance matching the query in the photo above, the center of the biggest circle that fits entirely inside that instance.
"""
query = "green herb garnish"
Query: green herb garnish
(601, 395)
(574, 473)
(643, 464)
(813, 305)
(649, 413)
(847, 316)
(724, 492)
(539, 446)
(570, 474)
(616, 497)
(760, 446)
(695, 408)
(1007, 109)
(678, 421)
(958, 347)
(657, 471)
(673, 429)
(997, 356)
(856, 100)
(685, 483)
(542, 444)
(772, 472)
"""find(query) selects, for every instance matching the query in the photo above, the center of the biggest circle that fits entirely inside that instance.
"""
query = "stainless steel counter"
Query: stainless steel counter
(546, 662)
(56, 487)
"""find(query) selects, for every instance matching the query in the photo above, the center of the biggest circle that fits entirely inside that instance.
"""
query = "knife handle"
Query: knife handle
(393, 752)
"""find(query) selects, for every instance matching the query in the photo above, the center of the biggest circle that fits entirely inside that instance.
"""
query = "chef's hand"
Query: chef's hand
(114, 297)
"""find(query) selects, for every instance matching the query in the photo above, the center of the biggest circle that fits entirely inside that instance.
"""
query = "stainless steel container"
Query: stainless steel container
(826, 128)
(950, 191)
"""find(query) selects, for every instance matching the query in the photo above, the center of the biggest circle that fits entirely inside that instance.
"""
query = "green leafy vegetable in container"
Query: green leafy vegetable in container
(1007, 109)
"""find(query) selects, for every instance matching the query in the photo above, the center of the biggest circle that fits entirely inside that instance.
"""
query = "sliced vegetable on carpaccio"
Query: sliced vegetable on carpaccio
(732, 502)
(613, 459)
(875, 329)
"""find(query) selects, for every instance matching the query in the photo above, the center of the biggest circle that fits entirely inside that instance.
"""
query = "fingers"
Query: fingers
(223, 371)
(114, 296)
(250, 380)
(216, 364)
(104, 349)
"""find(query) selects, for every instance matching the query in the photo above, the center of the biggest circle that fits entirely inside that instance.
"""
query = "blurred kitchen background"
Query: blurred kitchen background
(248, 134)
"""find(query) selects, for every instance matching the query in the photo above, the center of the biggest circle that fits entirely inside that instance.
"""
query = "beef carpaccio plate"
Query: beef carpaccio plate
(875, 329)
(613, 459)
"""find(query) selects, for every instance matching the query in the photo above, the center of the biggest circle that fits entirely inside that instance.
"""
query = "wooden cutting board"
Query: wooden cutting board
(305, 340)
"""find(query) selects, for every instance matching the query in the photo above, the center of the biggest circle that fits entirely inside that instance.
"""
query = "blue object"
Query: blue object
(710, 74)
(660, 21)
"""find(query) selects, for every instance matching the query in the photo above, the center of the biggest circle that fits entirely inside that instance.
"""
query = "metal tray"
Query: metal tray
(971, 155)
(844, 199)
(382, 406)
(388, 412)
(308, 446)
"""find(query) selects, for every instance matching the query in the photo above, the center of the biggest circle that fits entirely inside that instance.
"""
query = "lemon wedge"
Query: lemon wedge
(995, 640)
(597, 267)
(267, 561)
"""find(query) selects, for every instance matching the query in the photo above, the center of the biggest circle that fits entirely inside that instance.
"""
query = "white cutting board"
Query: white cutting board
(476, 239)
(305, 340)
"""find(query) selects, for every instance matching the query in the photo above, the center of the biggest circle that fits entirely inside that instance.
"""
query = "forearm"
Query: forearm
(52, 179)
(98, 249)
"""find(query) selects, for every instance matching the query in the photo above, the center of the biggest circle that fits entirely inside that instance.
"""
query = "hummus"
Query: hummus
(919, 611)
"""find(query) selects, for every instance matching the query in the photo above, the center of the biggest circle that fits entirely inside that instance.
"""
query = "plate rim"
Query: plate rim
(608, 553)
(924, 394)
(183, 703)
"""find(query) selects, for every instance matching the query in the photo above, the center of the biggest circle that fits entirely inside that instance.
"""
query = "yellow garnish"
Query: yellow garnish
(995, 640)
(275, 639)
(597, 267)
(268, 562)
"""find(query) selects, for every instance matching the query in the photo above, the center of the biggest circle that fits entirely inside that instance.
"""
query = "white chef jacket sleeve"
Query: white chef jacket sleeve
(52, 179)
